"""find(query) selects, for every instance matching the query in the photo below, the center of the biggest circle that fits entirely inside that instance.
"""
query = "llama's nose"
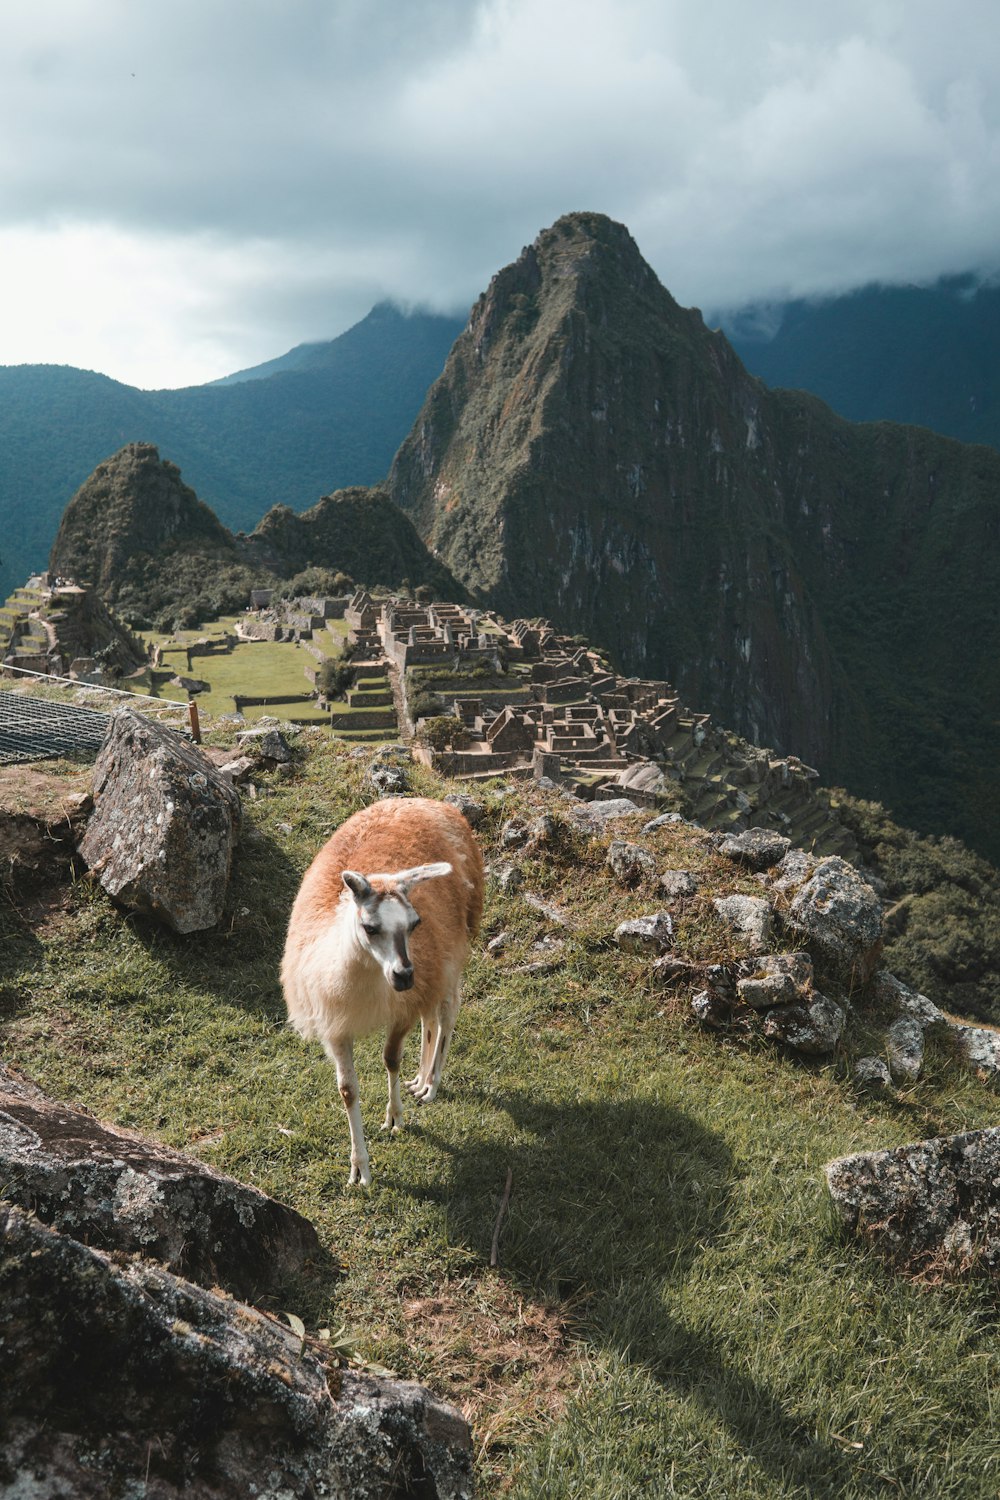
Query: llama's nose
(402, 977)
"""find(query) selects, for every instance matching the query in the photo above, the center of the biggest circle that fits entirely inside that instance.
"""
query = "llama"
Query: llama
(360, 956)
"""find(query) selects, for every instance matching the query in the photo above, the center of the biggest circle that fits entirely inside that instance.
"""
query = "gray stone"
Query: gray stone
(872, 1075)
(471, 810)
(596, 815)
(979, 1046)
(267, 742)
(665, 820)
(509, 878)
(190, 685)
(905, 1049)
(237, 770)
(388, 780)
(548, 909)
(712, 1009)
(649, 934)
(759, 848)
(164, 827)
(891, 992)
(631, 864)
(120, 1379)
(813, 1029)
(498, 944)
(777, 979)
(748, 917)
(934, 1202)
(514, 834)
(676, 883)
(542, 830)
(840, 917)
(116, 1189)
(793, 871)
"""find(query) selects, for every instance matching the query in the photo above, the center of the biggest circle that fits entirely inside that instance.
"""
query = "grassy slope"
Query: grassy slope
(673, 1313)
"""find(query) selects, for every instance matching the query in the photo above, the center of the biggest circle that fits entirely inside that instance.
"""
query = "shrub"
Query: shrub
(334, 677)
(441, 732)
(427, 706)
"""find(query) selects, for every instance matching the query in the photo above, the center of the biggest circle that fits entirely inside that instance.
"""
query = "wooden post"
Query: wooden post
(195, 725)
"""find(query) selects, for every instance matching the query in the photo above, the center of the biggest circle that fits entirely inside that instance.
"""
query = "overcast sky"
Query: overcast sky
(188, 187)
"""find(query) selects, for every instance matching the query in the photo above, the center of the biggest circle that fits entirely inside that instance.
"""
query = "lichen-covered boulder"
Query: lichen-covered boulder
(904, 1045)
(933, 1202)
(471, 810)
(872, 1074)
(120, 1379)
(649, 934)
(776, 979)
(840, 917)
(678, 883)
(760, 848)
(748, 917)
(630, 864)
(813, 1028)
(388, 780)
(164, 826)
(111, 1187)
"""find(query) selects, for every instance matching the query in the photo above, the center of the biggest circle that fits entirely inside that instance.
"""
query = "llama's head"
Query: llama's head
(385, 917)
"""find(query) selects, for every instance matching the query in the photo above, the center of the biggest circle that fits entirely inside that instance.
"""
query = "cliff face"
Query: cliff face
(594, 453)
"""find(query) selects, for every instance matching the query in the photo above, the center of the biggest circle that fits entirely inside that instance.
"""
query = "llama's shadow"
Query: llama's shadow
(612, 1203)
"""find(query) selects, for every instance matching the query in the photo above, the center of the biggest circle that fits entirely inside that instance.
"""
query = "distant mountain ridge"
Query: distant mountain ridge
(924, 355)
(594, 453)
(326, 416)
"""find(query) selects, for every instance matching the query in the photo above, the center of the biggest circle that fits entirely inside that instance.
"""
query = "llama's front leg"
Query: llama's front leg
(342, 1054)
(392, 1056)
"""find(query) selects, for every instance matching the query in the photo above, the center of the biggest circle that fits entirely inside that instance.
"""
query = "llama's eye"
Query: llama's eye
(369, 928)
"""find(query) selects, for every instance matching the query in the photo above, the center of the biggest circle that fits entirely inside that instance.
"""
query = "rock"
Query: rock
(777, 979)
(651, 934)
(671, 967)
(905, 1049)
(508, 878)
(267, 742)
(793, 871)
(513, 834)
(165, 824)
(471, 810)
(872, 1075)
(931, 1203)
(630, 864)
(712, 1009)
(665, 820)
(596, 815)
(388, 780)
(891, 992)
(191, 685)
(548, 909)
(113, 1188)
(542, 830)
(978, 1045)
(237, 770)
(498, 944)
(748, 917)
(676, 883)
(840, 917)
(813, 1029)
(121, 1379)
(759, 848)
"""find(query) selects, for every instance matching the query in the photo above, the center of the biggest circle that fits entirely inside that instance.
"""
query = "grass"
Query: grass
(673, 1312)
(256, 669)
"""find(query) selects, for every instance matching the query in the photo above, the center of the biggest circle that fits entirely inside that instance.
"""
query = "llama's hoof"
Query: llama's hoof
(360, 1175)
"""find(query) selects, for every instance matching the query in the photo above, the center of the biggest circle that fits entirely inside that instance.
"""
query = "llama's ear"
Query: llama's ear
(403, 880)
(357, 885)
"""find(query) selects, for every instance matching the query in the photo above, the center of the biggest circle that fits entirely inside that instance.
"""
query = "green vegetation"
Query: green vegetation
(673, 1313)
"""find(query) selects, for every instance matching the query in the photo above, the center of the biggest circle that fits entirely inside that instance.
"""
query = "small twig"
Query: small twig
(495, 1247)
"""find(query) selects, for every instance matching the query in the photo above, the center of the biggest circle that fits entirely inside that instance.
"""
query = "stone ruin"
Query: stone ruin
(55, 626)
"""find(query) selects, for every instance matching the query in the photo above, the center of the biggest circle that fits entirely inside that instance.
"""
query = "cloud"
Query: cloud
(188, 188)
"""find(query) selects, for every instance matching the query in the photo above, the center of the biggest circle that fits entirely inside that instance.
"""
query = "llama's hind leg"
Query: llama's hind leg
(424, 1088)
(342, 1054)
(428, 1038)
(392, 1056)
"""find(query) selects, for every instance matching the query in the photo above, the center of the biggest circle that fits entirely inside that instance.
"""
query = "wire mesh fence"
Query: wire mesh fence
(39, 729)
